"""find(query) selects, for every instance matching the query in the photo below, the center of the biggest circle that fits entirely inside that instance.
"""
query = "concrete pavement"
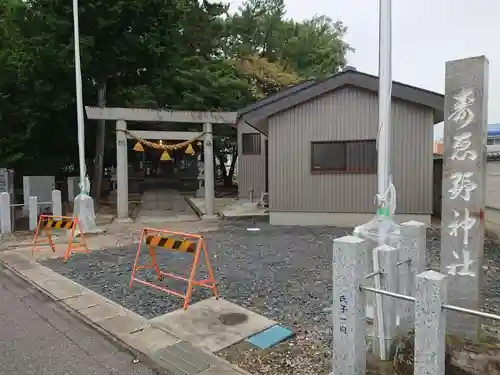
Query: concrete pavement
(38, 337)
(159, 347)
(165, 206)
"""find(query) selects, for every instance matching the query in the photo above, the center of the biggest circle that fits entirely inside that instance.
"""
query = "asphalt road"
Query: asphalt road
(39, 337)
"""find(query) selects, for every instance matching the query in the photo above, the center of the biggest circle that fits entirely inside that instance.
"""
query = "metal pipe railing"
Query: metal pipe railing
(477, 313)
(386, 293)
(374, 273)
(403, 262)
(458, 309)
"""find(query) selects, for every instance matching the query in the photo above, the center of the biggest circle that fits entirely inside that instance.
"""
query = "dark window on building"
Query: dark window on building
(251, 143)
(344, 156)
(493, 141)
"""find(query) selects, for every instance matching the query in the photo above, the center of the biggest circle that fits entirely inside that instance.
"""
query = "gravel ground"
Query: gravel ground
(283, 273)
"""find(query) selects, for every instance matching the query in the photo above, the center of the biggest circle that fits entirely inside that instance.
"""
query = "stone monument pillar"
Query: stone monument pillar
(464, 174)
(200, 193)
(209, 170)
(121, 172)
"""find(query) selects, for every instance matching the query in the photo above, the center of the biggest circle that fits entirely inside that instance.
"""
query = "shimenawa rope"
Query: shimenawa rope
(159, 146)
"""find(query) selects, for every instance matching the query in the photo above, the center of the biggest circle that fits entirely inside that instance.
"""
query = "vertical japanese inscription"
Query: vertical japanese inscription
(463, 188)
(462, 181)
(343, 312)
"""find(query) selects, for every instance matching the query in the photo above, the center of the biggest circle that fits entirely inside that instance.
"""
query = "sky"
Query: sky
(425, 34)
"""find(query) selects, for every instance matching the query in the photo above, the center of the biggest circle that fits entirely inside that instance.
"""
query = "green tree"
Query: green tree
(31, 134)
(180, 54)
(141, 53)
(310, 48)
(314, 48)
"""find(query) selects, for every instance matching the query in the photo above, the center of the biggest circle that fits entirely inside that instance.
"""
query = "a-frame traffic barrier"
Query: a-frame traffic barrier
(47, 223)
(178, 242)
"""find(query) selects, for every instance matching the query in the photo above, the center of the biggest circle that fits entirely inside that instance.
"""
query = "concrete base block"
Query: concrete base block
(203, 324)
(209, 217)
(124, 221)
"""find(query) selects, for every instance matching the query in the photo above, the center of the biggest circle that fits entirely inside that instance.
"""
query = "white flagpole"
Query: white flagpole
(384, 148)
(79, 96)
(83, 205)
(384, 96)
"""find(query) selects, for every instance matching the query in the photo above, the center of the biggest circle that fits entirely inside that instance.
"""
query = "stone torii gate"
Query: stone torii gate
(122, 115)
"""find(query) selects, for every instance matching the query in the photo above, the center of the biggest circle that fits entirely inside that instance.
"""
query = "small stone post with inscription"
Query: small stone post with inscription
(430, 323)
(348, 310)
(33, 212)
(464, 173)
(414, 248)
(121, 172)
(5, 211)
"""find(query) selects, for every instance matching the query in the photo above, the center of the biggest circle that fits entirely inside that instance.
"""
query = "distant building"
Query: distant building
(438, 147)
(313, 148)
(493, 134)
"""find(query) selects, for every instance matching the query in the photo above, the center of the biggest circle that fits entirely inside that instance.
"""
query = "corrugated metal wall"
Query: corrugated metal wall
(348, 114)
(493, 184)
(251, 168)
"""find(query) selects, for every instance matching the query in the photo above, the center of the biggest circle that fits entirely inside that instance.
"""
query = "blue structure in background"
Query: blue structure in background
(494, 134)
(494, 130)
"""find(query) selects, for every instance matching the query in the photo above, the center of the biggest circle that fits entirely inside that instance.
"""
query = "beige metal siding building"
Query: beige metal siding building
(322, 151)
(251, 161)
(492, 212)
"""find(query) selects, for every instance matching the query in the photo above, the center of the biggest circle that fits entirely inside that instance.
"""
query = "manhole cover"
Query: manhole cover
(232, 319)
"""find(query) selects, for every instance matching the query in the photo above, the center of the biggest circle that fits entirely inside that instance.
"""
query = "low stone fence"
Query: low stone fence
(6, 210)
(408, 299)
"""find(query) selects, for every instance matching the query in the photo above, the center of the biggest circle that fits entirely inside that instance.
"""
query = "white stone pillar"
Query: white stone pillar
(430, 324)
(348, 310)
(383, 347)
(121, 172)
(5, 217)
(464, 188)
(33, 212)
(413, 247)
(208, 151)
(73, 187)
(56, 203)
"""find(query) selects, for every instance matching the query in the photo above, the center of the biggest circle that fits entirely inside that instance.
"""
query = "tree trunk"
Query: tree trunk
(228, 180)
(100, 142)
(227, 176)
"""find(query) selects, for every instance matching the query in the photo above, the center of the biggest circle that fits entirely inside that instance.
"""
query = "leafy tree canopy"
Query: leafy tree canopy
(180, 54)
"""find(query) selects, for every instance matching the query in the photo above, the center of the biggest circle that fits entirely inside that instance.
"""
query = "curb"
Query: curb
(144, 358)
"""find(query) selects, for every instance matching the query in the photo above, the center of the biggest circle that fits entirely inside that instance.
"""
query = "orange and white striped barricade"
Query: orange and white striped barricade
(49, 222)
(177, 242)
